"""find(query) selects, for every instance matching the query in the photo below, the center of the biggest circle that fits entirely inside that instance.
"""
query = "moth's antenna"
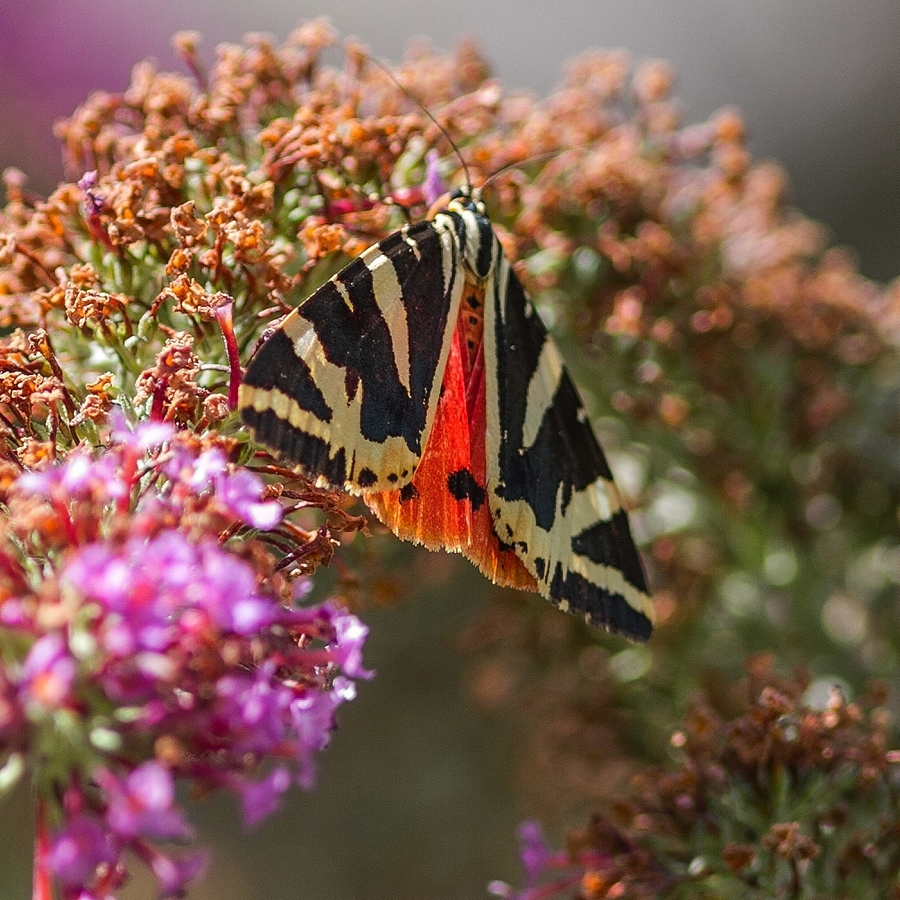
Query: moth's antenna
(539, 157)
(412, 98)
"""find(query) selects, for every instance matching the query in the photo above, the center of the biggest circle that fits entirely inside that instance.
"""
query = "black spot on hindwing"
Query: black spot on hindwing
(463, 486)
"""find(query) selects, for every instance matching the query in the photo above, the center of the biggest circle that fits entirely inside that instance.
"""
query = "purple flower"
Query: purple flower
(231, 599)
(312, 715)
(181, 636)
(260, 799)
(88, 180)
(102, 573)
(433, 185)
(532, 849)
(255, 709)
(149, 584)
(140, 584)
(14, 613)
(142, 805)
(79, 477)
(144, 436)
(94, 204)
(75, 473)
(535, 856)
(38, 482)
(173, 873)
(313, 718)
(196, 472)
(48, 672)
(351, 634)
(240, 492)
(81, 846)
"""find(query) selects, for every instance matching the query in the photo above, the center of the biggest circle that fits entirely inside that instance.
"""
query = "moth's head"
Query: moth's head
(467, 198)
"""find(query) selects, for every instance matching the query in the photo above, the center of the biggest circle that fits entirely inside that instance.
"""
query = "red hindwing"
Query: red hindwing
(445, 505)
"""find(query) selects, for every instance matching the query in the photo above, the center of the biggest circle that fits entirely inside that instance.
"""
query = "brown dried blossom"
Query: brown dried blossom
(163, 188)
(34, 454)
(738, 856)
(187, 227)
(215, 409)
(825, 829)
(89, 306)
(189, 297)
(27, 386)
(319, 239)
(788, 842)
(170, 385)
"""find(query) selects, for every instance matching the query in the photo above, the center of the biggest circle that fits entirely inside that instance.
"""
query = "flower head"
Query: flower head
(143, 804)
(79, 848)
(163, 622)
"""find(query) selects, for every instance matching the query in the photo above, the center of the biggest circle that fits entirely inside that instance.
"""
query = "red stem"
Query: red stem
(62, 511)
(225, 318)
(129, 471)
(159, 399)
(42, 887)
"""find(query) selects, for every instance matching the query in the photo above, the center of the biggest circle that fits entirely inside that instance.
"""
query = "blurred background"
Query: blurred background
(818, 80)
(416, 797)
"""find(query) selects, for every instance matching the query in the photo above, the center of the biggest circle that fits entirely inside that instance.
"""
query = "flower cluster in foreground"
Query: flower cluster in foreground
(144, 645)
(798, 797)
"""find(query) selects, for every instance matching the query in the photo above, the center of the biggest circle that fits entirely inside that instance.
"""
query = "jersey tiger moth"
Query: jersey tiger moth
(420, 378)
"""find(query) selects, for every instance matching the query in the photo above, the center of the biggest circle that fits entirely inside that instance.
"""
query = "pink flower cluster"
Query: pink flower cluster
(144, 644)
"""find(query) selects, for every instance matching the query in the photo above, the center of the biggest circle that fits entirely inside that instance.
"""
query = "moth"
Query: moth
(421, 378)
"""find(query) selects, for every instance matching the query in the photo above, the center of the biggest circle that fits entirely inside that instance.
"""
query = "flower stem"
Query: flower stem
(225, 318)
(42, 885)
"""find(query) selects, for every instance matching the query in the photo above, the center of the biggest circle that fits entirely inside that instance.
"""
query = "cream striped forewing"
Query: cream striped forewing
(347, 385)
(549, 485)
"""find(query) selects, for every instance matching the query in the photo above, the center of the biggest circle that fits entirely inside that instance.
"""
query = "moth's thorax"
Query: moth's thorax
(473, 231)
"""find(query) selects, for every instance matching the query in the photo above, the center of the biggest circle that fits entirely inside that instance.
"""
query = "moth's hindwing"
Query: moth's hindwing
(347, 385)
(445, 505)
(550, 488)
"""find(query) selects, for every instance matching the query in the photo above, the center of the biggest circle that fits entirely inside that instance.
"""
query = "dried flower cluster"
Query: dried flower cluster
(788, 800)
